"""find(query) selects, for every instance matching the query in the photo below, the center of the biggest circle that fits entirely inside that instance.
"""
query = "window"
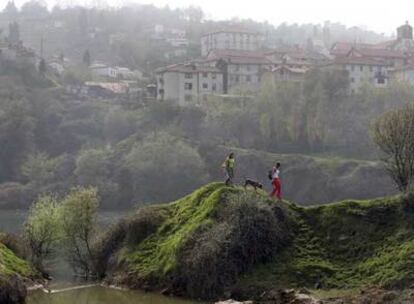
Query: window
(247, 67)
(214, 87)
(205, 85)
(248, 78)
(205, 75)
(352, 79)
(188, 86)
(361, 68)
(188, 75)
(236, 68)
(188, 97)
(237, 78)
(214, 76)
(352, 67)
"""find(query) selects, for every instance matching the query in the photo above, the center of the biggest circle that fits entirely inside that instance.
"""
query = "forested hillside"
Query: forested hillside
(159, 151)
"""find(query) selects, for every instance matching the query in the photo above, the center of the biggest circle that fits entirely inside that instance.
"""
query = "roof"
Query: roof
(290, 69)
(359, 60)
(239, 57)
(377, 52)
(406, 67)
(189, 67)
(233, 30)
(118, 88)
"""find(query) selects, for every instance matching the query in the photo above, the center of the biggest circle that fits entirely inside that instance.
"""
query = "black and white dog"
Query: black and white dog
(253, 183)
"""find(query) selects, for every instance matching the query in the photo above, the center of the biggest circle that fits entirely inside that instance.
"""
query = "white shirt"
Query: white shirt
(276, 174)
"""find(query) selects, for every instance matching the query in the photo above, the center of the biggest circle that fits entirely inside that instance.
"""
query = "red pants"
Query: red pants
(277, 189)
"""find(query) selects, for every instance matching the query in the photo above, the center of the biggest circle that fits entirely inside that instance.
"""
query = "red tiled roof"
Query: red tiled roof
(379, 52)
(358, 60)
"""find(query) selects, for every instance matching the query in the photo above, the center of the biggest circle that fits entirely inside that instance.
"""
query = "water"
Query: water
(12, 221)
(101, 295)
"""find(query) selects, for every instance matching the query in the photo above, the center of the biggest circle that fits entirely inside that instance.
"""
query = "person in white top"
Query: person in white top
(276, 184)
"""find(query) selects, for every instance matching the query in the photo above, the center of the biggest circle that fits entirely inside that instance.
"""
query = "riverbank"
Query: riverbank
(221, 242)
(16, 275)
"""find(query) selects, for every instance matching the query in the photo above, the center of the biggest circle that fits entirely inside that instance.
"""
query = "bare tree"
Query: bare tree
(393, 132)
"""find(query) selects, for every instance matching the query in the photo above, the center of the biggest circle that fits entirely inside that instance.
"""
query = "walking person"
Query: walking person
(228, 166)
(276, 184)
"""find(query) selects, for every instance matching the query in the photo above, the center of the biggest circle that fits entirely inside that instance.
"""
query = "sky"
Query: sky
(382, 16)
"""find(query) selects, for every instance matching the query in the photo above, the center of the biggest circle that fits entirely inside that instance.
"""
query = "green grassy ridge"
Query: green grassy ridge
(344, 245)
(157, 254)
(10, 265)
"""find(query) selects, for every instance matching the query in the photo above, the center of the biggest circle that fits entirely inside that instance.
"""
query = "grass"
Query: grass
(342, 246)
(347, 245)
(157, 254)
(10, 264)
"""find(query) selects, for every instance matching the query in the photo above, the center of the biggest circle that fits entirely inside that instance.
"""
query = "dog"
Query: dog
(253, 183)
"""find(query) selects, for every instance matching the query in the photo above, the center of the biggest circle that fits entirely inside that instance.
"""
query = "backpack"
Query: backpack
(269, 175)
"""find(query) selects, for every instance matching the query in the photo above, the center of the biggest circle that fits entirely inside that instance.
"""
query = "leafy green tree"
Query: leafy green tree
(393, 133)
(42, 229)
(164, 167)
(40, 170)
(78, 220)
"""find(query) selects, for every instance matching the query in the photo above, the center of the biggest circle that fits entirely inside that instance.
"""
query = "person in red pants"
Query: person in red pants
(277, 186)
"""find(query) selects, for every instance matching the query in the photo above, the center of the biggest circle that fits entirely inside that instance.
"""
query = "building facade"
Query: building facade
(231, 39)
(189, 83)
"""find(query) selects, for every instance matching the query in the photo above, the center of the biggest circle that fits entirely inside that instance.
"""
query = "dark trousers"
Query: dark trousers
(230, 176)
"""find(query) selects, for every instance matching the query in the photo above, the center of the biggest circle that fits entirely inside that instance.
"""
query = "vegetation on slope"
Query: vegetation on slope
(219, 239)
(13, 272)
(200, 244)
(350, 244)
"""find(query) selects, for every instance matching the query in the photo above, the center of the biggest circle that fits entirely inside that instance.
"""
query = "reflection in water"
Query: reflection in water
(101, 295)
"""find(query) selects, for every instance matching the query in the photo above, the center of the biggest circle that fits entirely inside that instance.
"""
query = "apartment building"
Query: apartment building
(188, 83)
(231, 39)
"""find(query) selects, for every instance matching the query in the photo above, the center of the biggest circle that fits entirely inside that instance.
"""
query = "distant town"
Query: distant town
(230, 61)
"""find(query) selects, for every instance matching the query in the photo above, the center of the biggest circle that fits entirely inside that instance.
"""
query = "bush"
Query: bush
(42, 228)
(247, 233)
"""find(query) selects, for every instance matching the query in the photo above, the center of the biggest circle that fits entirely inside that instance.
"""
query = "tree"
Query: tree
(78, 218)
(86, 58)
(163, 167)
(40, 170)
(41, 229)
(42, 67)
(393, 132)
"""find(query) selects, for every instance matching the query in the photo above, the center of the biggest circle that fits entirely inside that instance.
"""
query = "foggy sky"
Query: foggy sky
(378, 15)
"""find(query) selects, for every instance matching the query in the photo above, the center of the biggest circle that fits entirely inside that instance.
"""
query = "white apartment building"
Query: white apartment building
(239, 68)
(363, 71)
(231, 39)
(188, 83)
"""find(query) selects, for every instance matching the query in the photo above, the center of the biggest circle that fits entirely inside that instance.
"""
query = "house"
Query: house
(362, 70)
(285, 73)
(239, 68)
(405, 73)
(375, 63)
(231, 39)
(101, 70)
(188, 83)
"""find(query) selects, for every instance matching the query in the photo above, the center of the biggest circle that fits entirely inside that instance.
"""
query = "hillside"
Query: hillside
(14, 274)
(221, 240)
(309, 179)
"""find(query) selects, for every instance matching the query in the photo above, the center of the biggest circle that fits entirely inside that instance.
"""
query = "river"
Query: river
(12, 221)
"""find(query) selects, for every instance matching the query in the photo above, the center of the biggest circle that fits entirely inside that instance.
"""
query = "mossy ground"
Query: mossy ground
(157, 254)
(10, 264)
(351, 244)
(346, 245)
